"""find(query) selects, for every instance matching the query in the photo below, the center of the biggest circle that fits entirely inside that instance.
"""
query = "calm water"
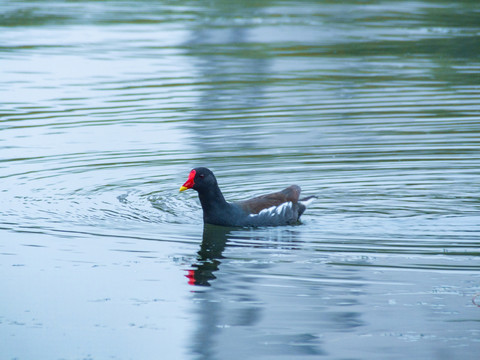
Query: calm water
(373, 106)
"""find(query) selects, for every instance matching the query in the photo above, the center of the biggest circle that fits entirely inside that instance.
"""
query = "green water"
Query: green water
(373, 106)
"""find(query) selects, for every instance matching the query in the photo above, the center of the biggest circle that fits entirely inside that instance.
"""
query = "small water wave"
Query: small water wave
(68, 195)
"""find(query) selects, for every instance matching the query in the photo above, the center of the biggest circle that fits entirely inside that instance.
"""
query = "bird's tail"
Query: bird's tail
(307, 200)
(303, 203)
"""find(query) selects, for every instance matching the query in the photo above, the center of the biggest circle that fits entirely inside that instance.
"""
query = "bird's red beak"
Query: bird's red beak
(189, 183)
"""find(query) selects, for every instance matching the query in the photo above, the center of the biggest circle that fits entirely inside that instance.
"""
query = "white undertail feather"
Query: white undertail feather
(307, 201)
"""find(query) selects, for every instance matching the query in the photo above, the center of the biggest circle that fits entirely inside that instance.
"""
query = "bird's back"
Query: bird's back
(259, 203)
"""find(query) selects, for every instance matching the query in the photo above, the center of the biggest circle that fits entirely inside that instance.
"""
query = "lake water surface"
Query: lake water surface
(373, 106)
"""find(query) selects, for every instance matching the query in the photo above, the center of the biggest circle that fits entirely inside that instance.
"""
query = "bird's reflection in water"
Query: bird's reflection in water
(215, 239)
(209, 255)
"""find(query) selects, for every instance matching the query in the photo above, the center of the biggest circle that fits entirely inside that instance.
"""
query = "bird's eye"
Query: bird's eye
(201, 176)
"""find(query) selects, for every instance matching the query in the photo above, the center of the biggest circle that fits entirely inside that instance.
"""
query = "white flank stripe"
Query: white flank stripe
(275, 210)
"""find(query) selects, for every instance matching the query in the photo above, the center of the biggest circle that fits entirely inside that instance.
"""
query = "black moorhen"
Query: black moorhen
(280, 208)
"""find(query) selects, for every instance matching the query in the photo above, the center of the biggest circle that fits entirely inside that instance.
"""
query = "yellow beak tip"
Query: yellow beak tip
(183, 188)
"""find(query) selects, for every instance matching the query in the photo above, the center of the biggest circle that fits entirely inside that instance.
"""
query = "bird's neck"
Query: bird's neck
(212, 200)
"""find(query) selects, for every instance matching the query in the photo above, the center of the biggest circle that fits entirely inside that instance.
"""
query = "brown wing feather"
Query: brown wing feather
(257, 204)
